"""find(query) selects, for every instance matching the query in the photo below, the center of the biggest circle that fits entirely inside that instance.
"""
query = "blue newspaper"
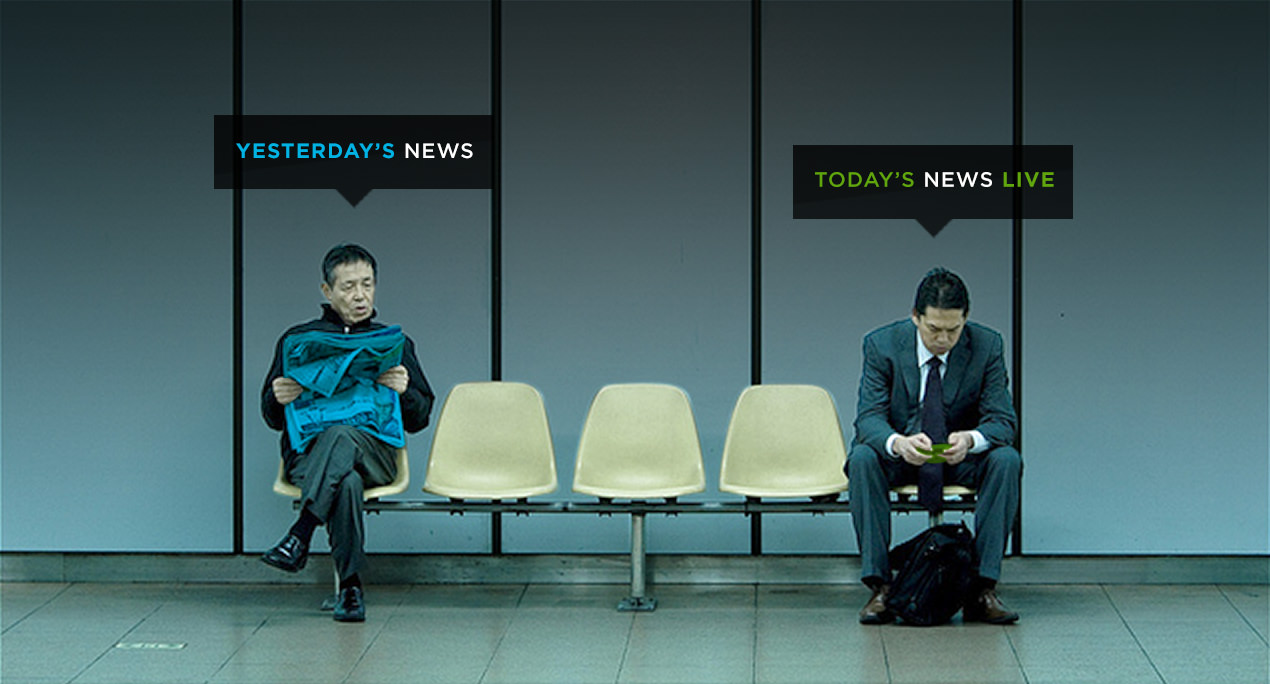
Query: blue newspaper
(338, 374)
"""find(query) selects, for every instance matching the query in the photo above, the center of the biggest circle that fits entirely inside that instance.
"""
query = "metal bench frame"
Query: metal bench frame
(639, 600)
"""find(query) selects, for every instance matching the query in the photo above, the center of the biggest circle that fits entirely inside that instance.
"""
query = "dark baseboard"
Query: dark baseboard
(608, 569)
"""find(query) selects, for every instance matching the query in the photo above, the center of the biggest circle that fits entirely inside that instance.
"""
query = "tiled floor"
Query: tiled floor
(571, 633)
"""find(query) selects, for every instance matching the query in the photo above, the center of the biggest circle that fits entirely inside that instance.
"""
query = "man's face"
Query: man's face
(940, 328)
(353, 293)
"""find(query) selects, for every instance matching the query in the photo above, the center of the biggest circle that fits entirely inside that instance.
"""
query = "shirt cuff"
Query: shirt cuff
(981, 443)
(890, 442)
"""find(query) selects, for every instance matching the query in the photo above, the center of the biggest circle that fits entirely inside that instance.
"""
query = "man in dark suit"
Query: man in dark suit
(930, 379)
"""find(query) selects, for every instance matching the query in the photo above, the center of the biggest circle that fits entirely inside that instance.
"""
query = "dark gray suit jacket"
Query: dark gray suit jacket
(976, 393)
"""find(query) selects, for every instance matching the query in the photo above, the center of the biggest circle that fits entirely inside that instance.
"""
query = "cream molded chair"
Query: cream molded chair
(492, 441)
(639, 442)
(784, 441)
(909, 492)
(282, 485)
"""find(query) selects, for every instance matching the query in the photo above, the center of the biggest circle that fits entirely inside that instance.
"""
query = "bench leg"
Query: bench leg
(637, 601)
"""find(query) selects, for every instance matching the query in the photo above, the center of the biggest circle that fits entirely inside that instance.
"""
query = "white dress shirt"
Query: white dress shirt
(923, 357)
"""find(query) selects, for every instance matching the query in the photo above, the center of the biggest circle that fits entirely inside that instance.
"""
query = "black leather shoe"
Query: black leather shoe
(350, 607)
(875, 611)
(988, 608)
(290, 554)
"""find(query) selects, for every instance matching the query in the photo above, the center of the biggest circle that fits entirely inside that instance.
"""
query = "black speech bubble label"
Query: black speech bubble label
(932, 184)
(354, 154)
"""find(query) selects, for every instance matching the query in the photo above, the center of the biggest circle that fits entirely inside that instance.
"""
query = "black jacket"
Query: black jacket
(416, 401)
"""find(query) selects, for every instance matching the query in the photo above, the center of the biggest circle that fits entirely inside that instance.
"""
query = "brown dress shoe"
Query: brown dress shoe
(875, 611)
(988, 608)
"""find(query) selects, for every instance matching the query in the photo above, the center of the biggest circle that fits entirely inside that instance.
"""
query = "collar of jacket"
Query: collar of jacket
(331, 316)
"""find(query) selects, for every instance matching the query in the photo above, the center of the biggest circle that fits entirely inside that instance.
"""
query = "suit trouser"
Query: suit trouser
(993, 473)
(331, 476)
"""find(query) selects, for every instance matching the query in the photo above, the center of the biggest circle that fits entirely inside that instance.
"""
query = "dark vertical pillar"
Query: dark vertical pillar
(1017, 318)
(496, 195)
(756, 227)
(237, 210)
(496, 226)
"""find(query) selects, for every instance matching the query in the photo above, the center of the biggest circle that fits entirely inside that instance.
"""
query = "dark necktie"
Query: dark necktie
(930, 477)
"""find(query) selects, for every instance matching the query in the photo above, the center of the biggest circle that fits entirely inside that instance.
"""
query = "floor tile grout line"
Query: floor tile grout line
(524, 589)
(1240, 613)
(1017, 659)
(1133, 634)
(754, 637)
(117, 640)
(626, 648)
(886, 658)
(239, 648)
(373, 639)
(38, 608)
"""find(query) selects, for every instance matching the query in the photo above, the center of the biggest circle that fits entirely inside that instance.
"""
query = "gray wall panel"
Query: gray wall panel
(626, 225)
(626, 248)
(871, 73)
(432, 245)
(116, 276)
(1145, 316)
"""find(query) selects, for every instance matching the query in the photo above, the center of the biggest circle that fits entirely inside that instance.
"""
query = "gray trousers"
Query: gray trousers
(993, 473)
(331, 476)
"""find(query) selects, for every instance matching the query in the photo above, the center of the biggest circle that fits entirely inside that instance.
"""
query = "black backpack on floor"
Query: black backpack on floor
(935, 571)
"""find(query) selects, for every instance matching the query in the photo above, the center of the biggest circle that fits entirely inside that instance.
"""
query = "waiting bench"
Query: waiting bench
(638, 453)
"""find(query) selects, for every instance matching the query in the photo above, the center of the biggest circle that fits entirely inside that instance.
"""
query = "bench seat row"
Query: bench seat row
(638, 453)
